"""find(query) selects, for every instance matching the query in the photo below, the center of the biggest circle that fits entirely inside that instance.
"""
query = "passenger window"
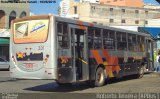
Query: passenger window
(138, 42)
(108, 39)
(63, 38)
(121, 41)
(132, 42)
(97, 39)
(94, 38)
(142, 44)
(90, 37)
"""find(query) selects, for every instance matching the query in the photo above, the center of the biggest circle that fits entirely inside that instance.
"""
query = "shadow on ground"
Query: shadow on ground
(8, 80)
(54, 87)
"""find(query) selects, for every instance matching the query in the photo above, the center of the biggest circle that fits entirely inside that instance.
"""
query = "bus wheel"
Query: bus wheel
(141, 72)
(99, 77)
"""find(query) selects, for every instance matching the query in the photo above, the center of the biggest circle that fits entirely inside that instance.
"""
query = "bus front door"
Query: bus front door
(79, 53)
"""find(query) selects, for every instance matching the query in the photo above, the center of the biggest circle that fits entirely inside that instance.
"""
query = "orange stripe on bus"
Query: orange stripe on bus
(97, 56)
(109, 71)
(114, 60)
(111, 61)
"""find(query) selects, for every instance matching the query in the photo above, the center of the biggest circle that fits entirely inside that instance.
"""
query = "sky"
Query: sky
(46, 8)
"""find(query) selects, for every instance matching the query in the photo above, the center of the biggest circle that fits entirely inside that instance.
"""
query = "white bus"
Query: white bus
(68, 51)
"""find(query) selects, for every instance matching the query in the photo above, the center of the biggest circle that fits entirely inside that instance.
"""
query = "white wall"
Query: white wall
(131, 28)
(153, 23)
(64, 6)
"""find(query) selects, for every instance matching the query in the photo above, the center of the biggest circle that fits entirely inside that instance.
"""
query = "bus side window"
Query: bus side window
(90, 43)
(90, 37)
(108, 39)
(129, 42)
(94, 38)
(138, 43)
(63, 39)
(105, 38)
(121, 41)
(142, 44)
(97, 38)
(132, 42)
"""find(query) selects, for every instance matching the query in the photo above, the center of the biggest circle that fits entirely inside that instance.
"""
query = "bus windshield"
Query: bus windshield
(32, 31)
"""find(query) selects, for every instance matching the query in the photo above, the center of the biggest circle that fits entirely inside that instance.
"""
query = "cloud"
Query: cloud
(31, 14)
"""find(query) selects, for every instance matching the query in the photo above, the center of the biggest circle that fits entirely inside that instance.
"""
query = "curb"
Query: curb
(153, 73)
(156, 73)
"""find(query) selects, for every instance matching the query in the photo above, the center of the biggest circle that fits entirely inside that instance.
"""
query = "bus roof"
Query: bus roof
(78, 22)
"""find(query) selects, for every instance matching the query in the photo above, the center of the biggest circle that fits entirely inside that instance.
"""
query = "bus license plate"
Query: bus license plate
(29, 65)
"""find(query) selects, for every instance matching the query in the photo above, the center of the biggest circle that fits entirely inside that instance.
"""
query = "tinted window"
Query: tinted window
(2, 60)
(108, 39)
(94, 38)
(132, 42)
(121, 41)
(63, 38)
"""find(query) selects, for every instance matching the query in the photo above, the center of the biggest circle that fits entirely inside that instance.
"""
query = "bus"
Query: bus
(70, 51)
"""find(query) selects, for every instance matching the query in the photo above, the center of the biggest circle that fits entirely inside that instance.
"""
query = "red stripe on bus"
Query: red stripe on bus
(81, 25)
(92, 25)
(106, 55)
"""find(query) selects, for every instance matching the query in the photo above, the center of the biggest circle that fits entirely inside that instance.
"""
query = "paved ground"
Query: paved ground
(150, 83)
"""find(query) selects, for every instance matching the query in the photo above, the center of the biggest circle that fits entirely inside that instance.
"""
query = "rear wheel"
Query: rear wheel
(99, 77)
(141, 72)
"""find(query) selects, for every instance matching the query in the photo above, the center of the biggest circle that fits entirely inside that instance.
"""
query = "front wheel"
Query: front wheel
(99, 77)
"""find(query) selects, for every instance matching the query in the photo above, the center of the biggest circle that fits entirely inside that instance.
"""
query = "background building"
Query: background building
(8, 12)
(91, 1)
(124, 16)
(112, 15)
(127, 3)
(127, 14)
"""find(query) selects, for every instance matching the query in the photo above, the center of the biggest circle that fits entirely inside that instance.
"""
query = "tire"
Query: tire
(141, 72)
(99, 77)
